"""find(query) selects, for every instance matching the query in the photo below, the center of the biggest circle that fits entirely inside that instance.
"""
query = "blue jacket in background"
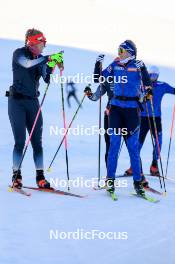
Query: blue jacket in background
(159, 90)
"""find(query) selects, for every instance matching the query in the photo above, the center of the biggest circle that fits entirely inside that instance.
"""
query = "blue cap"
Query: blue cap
(130, 47)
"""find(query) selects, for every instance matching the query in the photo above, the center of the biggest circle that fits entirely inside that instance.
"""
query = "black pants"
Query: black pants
(106, 136)
(145, 127)
(22, 113)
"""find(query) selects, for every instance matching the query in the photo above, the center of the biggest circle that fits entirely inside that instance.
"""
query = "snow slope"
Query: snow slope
(25, 223)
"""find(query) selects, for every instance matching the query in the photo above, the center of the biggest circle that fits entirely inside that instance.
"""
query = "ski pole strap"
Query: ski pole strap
(130, 98)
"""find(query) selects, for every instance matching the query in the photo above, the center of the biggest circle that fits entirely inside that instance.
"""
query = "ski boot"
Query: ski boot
(41, 181)
(144, 181)
(128, 172)
(154, 170)
(110, 185)
(17, 179)
(139, 188)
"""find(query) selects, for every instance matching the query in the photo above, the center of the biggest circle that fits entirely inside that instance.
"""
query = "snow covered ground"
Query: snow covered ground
(25, 223)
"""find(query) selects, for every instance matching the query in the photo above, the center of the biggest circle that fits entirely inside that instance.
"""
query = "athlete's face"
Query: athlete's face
(153, 77)
(37, 49)
(40, 47)
(123, 54)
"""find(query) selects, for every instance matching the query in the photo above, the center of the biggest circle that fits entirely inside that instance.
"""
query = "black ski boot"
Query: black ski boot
(17, 179)
(144, 181)
(41, 181)
(110, 185)
(139, 188)
(128, 172)
(154, 170)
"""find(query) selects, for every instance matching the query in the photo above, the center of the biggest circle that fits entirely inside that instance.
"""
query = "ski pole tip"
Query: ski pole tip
(10, 189)
(49, 170)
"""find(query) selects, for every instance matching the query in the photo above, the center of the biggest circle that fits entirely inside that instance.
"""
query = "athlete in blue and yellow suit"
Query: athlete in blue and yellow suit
(128, 75)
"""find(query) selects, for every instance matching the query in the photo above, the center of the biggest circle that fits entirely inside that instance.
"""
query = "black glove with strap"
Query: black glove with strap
(88, 91)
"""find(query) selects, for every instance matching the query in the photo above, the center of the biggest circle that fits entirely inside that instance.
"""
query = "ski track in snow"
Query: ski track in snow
(25, 222)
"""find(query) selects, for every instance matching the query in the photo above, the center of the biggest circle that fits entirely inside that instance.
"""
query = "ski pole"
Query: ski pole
(99, 140)
(150, 127)
(157, 142)
(99, 136)
(31, 132)
(121, 145)
(65, 134)
(152, 138)
(171, 136)
(64, 122)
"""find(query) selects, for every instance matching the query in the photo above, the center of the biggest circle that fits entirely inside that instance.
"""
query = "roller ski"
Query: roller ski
(140, 192)
(17, 184)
